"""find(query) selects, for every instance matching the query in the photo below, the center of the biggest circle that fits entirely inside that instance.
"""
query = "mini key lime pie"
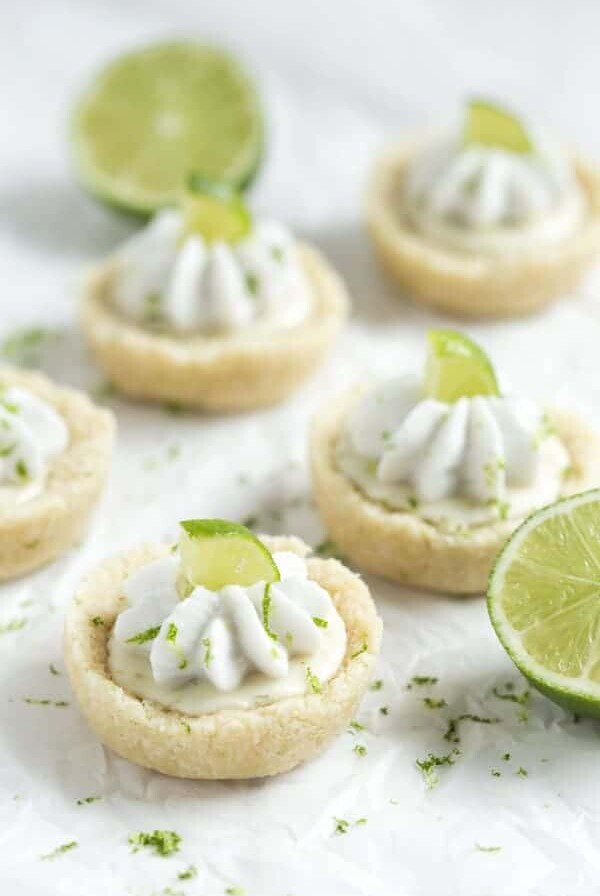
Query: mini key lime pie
(225, 656)
(494, 220)
(210, 308)
(55, 449)
(422, 479)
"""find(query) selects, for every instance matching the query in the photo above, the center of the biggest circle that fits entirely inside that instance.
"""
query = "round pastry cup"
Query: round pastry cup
(37, 531)
(404, 548)
(469, 284)
(230, 743)
(245, 370)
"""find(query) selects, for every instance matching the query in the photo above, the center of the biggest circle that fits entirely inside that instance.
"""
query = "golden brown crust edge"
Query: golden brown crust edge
(476, 286)
(404, 548)
(37, 531)
(230, 743)
(224, 374)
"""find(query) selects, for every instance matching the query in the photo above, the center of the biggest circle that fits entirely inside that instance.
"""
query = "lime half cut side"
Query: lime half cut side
(214, 210)
(153, 116)
(488, 124)
(215, 553)
(457, 367)
(544, 601)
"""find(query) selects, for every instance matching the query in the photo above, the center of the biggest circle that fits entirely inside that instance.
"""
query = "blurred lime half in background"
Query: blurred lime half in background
(153, 116)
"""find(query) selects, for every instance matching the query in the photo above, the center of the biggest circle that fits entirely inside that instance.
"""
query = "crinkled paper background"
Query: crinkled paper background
(339, 77)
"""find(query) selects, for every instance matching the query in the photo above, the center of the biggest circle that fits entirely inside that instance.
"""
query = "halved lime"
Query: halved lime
(544, 601)
(214, 210)
(215, 553)
(153, 116)
(457, 367)
(488, 124)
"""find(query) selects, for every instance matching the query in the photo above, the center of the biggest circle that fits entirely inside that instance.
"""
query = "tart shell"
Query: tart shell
(220, 373)
(406, 549)
(37, 531)
(229, 743)
(476, 285)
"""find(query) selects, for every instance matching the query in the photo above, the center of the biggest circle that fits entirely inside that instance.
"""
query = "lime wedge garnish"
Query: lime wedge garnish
(154, 115)
(544, 601)
(215, 553)
(487, 124)
(214, 210)
(457, 367)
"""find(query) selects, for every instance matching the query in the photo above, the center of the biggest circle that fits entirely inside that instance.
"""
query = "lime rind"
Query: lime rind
(114, 136)
(576, 694)
(457, 367)
(215, 553)
(489, 124)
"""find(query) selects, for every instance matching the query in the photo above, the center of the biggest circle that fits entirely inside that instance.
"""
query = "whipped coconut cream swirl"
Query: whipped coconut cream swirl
(487, 199)
(167, 280)
(471, 462)
(233, 648)
(31, 433)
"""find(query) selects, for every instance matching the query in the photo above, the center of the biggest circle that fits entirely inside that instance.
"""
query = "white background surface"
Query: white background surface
(338, 79)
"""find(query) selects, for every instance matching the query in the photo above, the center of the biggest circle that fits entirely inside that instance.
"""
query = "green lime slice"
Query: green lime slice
(544, 601)
(154, 115)
(487, 124)
(457, 367)
(215, 553)
(214, 210)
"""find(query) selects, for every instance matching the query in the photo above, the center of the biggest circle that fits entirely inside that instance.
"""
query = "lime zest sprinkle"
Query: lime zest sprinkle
(96, 620)
(360, 750)
(522, 772)
(186, 726)
(384, 710)
(208, 654)
(321, 623)
(362, 649)
(452, 735)
(22, 469)
(4, 452)
(163, 843)
(60, 850)
(143, 637)
(495, 773)
(235, 891)
(266, 610)
(377, 685)
(356, 726)
(506, 757)
(431, 762)
(433, 703)
(521, 699)
(25, 346)
(480, 848)
(342, 825)
(45, 701)
(171, 638)
(313, 682)
(87, 800)
(327, 549)
(251, 283)
(420, 681)
(14, 625)
(190, 872)
(52, 669)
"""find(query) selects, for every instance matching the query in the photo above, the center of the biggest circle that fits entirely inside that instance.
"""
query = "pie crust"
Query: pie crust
(221, 373)
(476, 285)
(230, 743)
(35, 532)
(399, 545)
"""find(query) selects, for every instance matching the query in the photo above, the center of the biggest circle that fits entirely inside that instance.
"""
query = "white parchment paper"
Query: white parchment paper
(338, 78)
